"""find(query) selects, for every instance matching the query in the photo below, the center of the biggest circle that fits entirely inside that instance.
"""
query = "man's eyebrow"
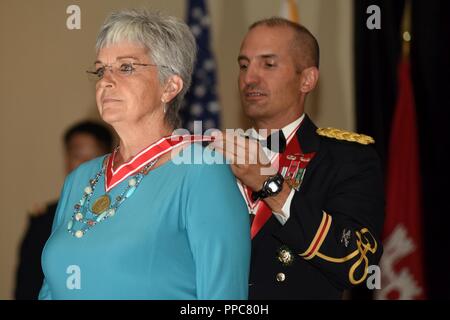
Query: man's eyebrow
(262, 56)
(242, 57)
(269, 56)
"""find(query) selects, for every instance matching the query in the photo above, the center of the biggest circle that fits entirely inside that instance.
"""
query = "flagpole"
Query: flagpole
(402, 263)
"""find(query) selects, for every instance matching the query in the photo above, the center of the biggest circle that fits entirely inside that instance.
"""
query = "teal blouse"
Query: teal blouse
(183, 234)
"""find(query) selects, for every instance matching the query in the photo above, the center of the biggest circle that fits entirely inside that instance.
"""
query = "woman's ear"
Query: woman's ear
(172, 88)
(309, 79)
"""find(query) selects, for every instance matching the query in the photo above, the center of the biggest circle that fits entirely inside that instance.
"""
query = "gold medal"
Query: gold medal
(293, 183)
(101, 204)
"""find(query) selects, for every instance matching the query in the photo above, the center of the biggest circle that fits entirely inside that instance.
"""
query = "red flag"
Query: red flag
(402, 262)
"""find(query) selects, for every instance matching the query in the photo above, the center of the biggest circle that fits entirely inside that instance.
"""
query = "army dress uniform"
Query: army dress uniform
(336, 216)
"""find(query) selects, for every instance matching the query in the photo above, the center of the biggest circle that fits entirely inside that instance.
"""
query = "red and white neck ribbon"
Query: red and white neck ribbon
(139, 161)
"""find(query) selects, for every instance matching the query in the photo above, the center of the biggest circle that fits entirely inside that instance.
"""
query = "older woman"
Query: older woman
(134, 224)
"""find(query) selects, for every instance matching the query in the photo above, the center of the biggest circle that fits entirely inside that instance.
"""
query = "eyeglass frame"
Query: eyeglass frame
(110, 66)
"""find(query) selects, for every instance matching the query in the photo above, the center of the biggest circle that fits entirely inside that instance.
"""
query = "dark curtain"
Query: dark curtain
(377, 53)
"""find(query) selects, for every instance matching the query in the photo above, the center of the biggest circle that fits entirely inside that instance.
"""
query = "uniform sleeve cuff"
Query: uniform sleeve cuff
(285, 213)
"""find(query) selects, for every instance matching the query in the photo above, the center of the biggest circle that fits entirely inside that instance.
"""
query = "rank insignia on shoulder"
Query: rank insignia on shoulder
(345, 135)
(285, 256)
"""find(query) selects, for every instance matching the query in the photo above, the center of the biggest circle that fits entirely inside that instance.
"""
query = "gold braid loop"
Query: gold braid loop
(345, 135)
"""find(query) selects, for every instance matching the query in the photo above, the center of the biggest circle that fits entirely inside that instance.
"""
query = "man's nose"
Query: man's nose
(251, 75)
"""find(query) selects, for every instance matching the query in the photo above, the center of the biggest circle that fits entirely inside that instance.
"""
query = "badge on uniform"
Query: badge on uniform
(295, 171)
(345, 239)
(285, 256)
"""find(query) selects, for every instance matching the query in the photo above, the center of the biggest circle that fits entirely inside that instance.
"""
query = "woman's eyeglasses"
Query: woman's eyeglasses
(122, 69)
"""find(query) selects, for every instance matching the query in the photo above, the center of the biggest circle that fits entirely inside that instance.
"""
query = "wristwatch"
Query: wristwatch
(271, 187)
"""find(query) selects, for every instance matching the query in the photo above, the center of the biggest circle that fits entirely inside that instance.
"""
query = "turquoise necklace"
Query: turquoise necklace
(85, 216)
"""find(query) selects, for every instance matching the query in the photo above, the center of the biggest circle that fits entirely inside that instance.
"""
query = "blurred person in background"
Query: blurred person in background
(83, 141)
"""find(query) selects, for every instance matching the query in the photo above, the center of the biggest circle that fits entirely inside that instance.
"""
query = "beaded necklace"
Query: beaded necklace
(87, 217)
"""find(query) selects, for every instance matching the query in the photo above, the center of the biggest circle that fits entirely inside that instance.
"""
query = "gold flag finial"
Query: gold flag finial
(293, 11)
(406, 28)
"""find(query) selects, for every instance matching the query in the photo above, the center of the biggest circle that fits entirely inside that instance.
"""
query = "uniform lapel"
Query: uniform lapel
(309, 141)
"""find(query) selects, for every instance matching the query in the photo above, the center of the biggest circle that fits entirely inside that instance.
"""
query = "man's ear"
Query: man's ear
(309, 79)
(172, 88)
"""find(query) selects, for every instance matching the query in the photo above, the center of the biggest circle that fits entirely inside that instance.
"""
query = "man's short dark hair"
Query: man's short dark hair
(98, 131)
(304, 41)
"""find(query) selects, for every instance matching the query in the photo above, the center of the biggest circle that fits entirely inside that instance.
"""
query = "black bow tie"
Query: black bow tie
(276, 142)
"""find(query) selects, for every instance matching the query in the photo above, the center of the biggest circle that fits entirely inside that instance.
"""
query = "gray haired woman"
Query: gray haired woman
(136, 224)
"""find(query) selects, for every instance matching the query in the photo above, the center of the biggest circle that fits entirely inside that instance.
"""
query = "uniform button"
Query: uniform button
(281, 277)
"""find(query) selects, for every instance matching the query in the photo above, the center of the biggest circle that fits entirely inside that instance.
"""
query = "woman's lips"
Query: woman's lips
(110, 100)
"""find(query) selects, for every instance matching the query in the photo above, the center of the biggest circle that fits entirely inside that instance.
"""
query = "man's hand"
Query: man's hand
(246, 157)
(249, 164)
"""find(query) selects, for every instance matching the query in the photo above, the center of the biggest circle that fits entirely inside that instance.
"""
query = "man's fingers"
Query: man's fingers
(248, 151)
(231, 157)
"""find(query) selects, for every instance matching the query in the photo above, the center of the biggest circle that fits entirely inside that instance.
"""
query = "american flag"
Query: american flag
(201, 103)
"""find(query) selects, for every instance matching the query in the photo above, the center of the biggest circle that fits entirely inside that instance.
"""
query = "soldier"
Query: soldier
(319, 214)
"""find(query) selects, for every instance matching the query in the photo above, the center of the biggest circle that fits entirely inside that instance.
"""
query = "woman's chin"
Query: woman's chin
(111, 117)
